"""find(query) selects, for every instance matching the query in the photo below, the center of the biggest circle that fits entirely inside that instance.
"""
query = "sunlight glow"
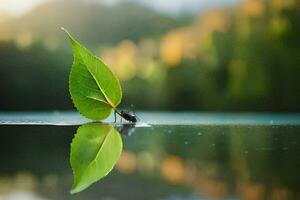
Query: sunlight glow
(18, 7)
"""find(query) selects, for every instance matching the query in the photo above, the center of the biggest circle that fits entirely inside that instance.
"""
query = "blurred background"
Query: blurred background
(198, 55)
(208, 55)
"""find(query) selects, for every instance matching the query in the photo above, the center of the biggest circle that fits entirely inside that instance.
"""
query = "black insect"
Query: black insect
(126, 115)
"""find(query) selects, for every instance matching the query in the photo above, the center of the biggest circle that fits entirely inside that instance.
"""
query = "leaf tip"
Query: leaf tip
(73, 41)
(72, 191)
(65, 30)
(77, 188)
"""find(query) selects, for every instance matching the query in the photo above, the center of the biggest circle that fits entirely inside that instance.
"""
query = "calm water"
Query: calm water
(170, 156)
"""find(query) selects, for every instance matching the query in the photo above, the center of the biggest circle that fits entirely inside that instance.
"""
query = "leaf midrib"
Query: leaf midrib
(98, 151)
(100, 88)
(98, 84)
(103, 143)
(96, 99)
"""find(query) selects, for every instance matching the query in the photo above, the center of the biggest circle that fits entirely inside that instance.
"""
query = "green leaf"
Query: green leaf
(95, 150)
(94, 89)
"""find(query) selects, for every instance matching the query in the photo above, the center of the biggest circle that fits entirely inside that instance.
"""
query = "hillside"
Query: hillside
(94, 22)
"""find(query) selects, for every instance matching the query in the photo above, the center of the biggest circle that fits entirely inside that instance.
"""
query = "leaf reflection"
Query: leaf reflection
(95, 149)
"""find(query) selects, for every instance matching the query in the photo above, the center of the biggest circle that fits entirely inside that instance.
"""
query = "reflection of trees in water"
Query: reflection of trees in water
(254, 162)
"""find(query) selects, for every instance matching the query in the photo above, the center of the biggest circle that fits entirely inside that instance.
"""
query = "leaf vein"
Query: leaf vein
(105, 96)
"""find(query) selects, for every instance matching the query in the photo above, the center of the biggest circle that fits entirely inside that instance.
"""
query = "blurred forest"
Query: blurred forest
(240, 58)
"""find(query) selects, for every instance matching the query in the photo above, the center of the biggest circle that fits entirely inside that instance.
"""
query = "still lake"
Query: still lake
(166, 156)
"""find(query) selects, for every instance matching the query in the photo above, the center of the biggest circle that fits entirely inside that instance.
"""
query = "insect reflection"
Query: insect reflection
(126, 129)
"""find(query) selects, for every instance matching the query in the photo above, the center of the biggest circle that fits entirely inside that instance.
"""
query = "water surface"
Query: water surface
(168, 156)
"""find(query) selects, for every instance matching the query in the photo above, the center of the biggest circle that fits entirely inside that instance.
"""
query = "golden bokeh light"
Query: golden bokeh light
(171, 48)
(127, 162)
(172, 169)
(212, 21)
(253, 8)
(121, 59)
(251, 191)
